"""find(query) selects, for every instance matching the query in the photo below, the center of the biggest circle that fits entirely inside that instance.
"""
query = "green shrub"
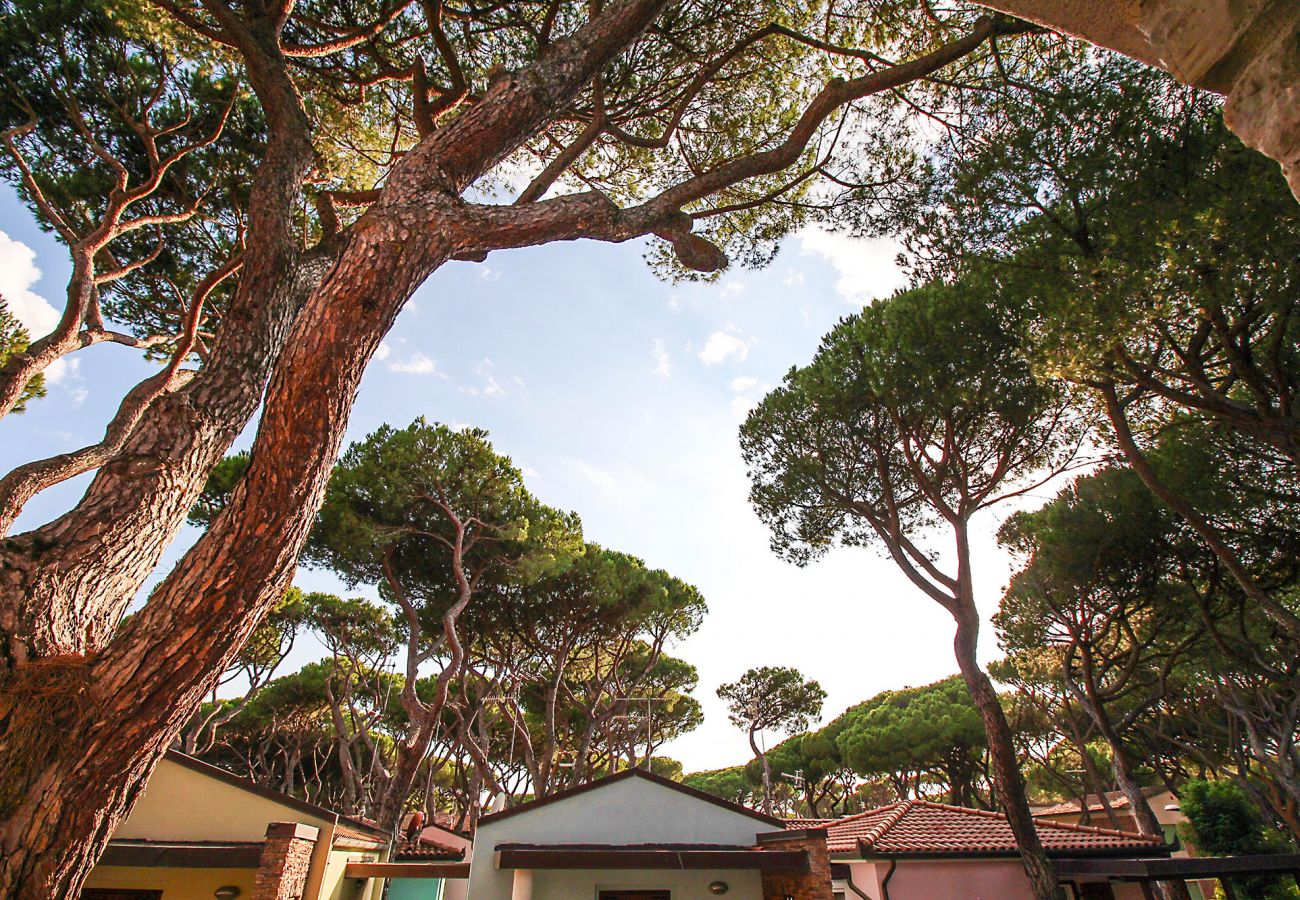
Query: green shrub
(1223, 821)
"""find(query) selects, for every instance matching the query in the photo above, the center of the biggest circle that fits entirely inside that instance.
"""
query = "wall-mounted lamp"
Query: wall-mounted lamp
(719, 887)
(229, 892)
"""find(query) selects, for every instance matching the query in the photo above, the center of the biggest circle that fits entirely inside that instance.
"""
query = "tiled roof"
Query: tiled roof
(1116, 799)
(357, 833)
(795, 824)
(428, 849)
(924, 827)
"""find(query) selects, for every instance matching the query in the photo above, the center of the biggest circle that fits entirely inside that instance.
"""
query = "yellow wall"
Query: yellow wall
(180, 804)
(176, 884)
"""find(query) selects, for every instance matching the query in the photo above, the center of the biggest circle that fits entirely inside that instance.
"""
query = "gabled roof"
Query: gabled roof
(925, 828)
(624, 776)
(1116, 799)
(346, 826)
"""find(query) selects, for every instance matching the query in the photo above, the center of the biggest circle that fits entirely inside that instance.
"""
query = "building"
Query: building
(200, 832)
(636, 836)
(1162, 802)
(917, 850)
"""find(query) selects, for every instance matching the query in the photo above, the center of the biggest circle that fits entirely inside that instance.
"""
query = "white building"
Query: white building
(636, 836)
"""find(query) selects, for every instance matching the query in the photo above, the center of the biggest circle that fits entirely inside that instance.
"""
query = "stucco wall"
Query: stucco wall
(989, 879)
(180, 804)
(631, 811)
(586, 885)
(176, 884)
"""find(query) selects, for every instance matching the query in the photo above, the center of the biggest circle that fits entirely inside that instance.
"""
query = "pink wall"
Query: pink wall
(969, 879)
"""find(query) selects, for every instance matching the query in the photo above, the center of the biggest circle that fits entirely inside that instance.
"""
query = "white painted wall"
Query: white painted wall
(567, 885)
(633, 810)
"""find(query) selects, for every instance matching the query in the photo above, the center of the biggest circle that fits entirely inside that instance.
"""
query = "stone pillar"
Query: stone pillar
(286, 861)
(814, 884)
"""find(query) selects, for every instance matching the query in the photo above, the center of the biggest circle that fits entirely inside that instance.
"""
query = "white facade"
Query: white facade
(624, 812)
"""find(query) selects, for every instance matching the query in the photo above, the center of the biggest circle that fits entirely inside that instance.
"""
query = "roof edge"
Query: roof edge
(624, 776)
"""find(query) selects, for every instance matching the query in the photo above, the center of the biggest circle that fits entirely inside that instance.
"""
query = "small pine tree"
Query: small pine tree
(1222, 820)
(15, 339)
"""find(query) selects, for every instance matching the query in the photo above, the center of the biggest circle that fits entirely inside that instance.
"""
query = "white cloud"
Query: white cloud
(63, 370)
(663, 363)
(383, 351)
(723, 346)
(733, 289)
(748, 391)
(868, 268)
(18, 272)
(416, 364)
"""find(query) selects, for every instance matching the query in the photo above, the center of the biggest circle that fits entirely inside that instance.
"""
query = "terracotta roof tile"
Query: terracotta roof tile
(796, 824)
(428, 849)
(1116, 799)
(924, 827)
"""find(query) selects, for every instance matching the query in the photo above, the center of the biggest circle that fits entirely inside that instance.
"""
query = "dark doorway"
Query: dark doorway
(636, 895)
(1096, 890)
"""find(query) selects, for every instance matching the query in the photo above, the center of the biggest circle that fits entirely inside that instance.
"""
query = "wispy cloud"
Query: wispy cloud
(663, 363)
(416, 364)
(601, 480)
(490, 386)
(868, 268)
(723, 346)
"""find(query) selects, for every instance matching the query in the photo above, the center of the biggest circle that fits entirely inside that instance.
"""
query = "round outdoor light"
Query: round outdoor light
(229, 892)
(719, 887)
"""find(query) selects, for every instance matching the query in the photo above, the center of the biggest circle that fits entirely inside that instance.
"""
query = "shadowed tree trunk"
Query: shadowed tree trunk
(1009, 783)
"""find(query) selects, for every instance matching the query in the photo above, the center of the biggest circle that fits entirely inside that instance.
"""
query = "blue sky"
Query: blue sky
(620, 397)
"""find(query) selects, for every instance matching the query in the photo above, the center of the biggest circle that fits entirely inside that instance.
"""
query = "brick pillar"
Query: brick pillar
(286, 860)
(815, 884)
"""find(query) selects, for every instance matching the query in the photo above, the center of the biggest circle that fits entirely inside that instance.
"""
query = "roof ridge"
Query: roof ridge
(1095, 829)
(876, 833)
(844, 820)
(986, 813)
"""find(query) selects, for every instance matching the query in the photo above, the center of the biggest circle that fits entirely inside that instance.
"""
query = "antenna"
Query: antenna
(649, 720)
